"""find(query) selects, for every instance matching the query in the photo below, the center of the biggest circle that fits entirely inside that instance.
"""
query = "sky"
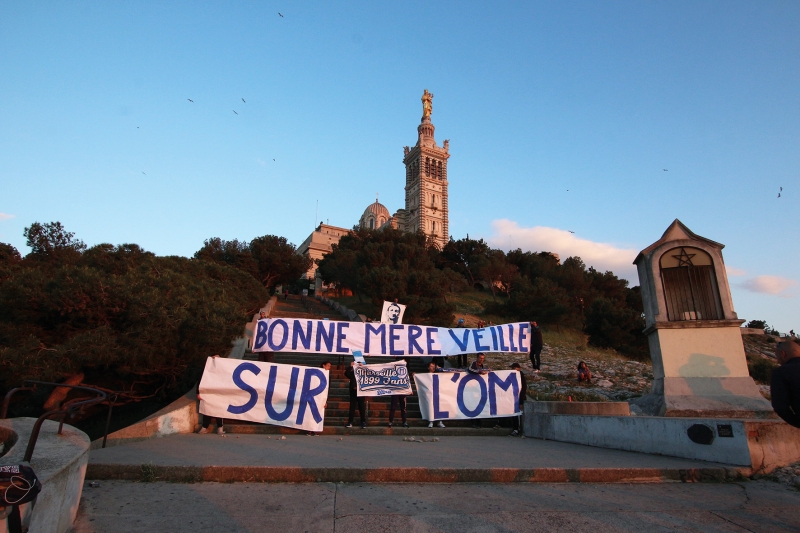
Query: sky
(606, 119)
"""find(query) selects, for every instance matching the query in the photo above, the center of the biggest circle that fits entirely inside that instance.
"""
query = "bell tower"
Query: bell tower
(426, 181)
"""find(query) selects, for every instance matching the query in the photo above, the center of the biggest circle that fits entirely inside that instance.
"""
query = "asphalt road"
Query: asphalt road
(124, 506)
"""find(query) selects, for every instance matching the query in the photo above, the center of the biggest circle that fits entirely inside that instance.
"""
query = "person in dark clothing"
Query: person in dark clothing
(398, 400)
(536, 346)
(523, 390)
(355, 399)
(461, 359)
(785, 384)
(478, 366)
(208, 419)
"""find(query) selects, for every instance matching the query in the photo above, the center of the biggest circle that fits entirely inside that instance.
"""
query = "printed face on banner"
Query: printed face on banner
(392, 313)
(268, 393)
(464, 395)
(382, 380)
(394, 340)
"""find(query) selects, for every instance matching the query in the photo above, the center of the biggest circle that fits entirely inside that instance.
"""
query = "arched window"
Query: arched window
(433, 227)
(427, 166)
(433, 200)
(383, 221)
(440, 170)
(371, 223)
(690, 285)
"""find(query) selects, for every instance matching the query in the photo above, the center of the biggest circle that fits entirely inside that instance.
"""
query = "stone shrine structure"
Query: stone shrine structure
(699, 364)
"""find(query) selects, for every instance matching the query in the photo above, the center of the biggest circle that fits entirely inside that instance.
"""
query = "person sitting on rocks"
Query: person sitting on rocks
(433, 368)
(584, 374)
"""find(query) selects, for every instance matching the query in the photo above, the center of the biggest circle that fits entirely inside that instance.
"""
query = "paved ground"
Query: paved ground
(122, 506)
(375, 458)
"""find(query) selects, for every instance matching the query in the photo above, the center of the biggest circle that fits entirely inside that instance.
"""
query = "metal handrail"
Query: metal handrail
(71, 410)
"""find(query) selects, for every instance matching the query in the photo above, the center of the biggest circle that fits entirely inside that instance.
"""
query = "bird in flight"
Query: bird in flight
(665, 170)
(273, 160)
(779, 195)
(192, 101)
(137, 127)
(781, 188)
(235, 111)
(569, 230)
(243, 100)
(280, 14)
(143, 173)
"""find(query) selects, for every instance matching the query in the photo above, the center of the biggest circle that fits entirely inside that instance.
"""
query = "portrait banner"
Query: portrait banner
(382, 380)
(464, 395)
(388, 340)
(269, 393)
(392, 313)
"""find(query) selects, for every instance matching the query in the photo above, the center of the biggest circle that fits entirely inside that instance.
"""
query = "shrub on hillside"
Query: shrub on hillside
(121, 316)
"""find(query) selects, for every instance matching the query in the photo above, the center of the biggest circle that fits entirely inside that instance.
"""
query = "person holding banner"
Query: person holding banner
(207, 419)
(355, 399)
(432, 369)
(398, 400)
(461, 360)
(523, 392)
(478, 366)
(325, 366)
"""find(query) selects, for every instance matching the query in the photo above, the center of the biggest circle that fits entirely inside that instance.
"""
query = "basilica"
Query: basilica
(426, 207)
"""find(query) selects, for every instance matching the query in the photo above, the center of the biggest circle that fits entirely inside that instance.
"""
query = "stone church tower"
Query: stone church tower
(426, 182)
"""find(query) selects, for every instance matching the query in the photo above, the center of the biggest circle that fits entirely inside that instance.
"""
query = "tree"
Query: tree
(277, 260)
(51, 242)
(235, 253)
(387, 264)
(498, 272)
(611, 325)
(467, 257)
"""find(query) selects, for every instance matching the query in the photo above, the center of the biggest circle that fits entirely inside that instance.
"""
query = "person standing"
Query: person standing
(461, 359)
(398, 400)
(523, 391)
(784, 386)
(434, 368)
(208, 419)
(478, 366)
(355, 399)
(536, 346)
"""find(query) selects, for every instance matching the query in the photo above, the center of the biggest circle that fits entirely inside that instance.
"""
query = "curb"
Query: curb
(272, 474)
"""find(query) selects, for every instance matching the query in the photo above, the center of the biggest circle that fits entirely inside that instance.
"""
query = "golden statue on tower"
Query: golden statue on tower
(427, 104)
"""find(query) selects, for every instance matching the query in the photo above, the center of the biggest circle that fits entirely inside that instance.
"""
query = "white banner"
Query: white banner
(382, 380)
(392, 313)
(269, 393)
(391, 340)
(464, 395)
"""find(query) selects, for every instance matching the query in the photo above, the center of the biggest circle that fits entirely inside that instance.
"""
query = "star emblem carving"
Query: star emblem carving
(684, 259)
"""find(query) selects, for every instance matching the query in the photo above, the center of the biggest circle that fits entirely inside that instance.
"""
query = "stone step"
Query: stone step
(418, 430)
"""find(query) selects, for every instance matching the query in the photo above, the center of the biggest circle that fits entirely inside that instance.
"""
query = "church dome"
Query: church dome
(375, 216)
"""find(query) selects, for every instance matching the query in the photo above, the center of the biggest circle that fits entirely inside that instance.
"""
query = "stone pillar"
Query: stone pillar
(699, 364)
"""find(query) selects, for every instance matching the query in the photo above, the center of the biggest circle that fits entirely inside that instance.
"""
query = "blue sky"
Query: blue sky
(562, 116)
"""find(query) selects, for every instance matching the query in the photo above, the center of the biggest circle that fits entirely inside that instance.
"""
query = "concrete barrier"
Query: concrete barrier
(583, 408)
(762, 445)
(178, 417)
(60, 464)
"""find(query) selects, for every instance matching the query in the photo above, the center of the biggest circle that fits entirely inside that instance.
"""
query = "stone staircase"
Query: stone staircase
(338, 393)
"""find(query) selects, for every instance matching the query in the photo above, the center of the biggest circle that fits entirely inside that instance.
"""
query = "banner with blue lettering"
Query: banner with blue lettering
(382, 380)
(269, 393)
(390, 340)
(464, 395)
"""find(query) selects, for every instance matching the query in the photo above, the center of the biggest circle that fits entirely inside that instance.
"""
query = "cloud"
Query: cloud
(508, 235)
(5, 216)
(774, 285)
(733, 271)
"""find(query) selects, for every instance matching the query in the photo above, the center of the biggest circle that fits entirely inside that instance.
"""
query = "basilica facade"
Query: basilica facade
(426, 202)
